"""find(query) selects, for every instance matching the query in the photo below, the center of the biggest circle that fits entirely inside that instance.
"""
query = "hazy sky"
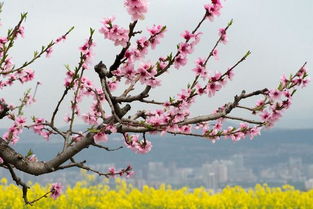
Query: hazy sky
(279, 33)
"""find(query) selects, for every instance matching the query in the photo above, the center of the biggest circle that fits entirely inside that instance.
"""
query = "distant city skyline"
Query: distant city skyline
(279, 34)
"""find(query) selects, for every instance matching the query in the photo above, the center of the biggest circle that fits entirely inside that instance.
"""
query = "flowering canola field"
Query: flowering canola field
(124, 196)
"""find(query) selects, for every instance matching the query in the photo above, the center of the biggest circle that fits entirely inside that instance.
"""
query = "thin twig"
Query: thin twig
(244, 120)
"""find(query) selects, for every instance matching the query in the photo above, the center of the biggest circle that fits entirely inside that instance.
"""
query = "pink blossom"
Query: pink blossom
(184, 95)
(286, 103)
(100, 137)
(145, 147)
(111, 171)
(142, 42)
(215, 54)
(212, 88)
(276, 115)
(255, 131)
(275, 94)
(67, 119)
(301, 72)
(185, 48)
(212, 10)
(200, 71)
(213, 135)
(244, 126)
(230, 74)
(111, 128)
(200, 61)
(130, 174)
(26, 75)
(61, 38)
(108, 21)
(180, 60)
(146, 72)
(136, 8)
(33, 158)
(287, 94)
(201, 90)
(157, 32)
(197, 38)
(112, 85)
(141, 147)
(216, 2)
(284, 80)
(20, 31)
(185, 129)
(49, 52)
(8, 64)
(90, 119)
(142, 48)
(260, 103)
(56, 190)
(128, 70)
(187, 35)
(38, 124)
(78, 137)
(265, 115)
(216, 77)
(1, 160)
(305, 82)
(218, 125)
(237, 136)
(223, 37)
(3, 40)
(20, 121)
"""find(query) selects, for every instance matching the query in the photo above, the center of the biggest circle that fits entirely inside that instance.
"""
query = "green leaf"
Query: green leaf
(29, 153)
(67, 66)
(91, 130)
(247, 54)
(230, 22)
(91, 31)
(280, 87)
(149, 126)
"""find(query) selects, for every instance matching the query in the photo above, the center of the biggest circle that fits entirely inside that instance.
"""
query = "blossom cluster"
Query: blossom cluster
(186, 48)
(102, 135)
(39, 128)
(126, 172)
(114, 32)
(213, 9)
(280, 99)
(136, 8)
(12, 134)
(138, 146)
(86, 51)
(23, 75)
(146, 72)
(216, 131)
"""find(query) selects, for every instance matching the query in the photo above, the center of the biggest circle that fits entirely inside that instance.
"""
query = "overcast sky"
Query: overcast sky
(279, 33)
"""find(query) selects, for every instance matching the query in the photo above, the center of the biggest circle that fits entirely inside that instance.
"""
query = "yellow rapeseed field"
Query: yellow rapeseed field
(124, 196)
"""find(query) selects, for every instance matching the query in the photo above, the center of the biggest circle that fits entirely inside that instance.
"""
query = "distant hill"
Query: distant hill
(273, 146)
